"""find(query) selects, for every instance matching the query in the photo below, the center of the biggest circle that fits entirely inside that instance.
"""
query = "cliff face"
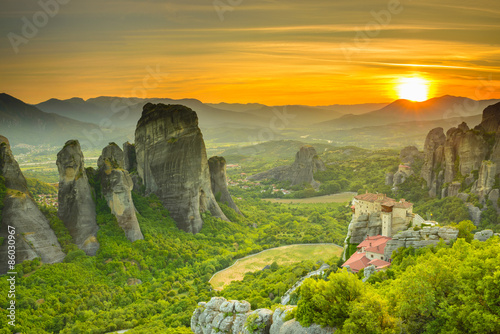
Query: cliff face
(172, 162)
(217, 167)
(117, 186)
(301, 171)
(34, 237)
(76, 206)
(463, 157)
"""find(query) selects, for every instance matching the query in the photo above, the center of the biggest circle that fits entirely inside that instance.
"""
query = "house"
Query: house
(395, 215)
(369, 252)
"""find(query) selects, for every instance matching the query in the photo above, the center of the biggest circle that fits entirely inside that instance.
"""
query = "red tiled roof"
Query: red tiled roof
(357, 261)
(403, 205)
(379, 263)
(374, 241)
(379, 249)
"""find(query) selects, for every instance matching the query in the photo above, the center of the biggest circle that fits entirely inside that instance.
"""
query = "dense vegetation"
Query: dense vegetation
(101, 294)
(37, 187)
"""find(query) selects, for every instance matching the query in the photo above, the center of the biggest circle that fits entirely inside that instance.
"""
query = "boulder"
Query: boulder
(117, 185)
(76, 206)
(218, 178)
(483, 235)
(172, 162)
(294, 327)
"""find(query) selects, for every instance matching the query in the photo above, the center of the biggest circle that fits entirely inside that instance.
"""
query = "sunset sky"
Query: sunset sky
(315, 52)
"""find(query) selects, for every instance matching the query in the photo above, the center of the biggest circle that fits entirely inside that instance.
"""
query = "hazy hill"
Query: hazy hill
(407, 111)
(24, 123)
(75, 108)
(354, 109)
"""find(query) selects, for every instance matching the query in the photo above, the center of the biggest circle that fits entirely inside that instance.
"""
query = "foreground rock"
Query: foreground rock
(117, 186)
(222, 316)
(76, 206)
(419, 239)
(33, 235)
(217, 166)
(301, 171)
(172, 162)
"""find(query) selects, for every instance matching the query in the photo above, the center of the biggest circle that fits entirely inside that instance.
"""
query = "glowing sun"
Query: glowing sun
(413, 89)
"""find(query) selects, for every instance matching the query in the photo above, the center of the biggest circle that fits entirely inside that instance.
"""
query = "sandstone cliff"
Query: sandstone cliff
(217, 166)
(76, 206)
(301, 171)
(117, 186)
(172, 162)
(234, 317)
(34, 237)
(463, 157)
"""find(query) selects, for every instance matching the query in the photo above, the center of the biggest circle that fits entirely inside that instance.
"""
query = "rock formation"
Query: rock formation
(234, 317)
(33, 235)
(172, 162)
(217, 166)
(76, 206)
(117, 186)
(463, 156)
(419, 239)
(301, 171)
(409, 155)
(484, 235)
(129, 157)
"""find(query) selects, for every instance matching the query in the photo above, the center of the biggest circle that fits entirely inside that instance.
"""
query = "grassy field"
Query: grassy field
(282, 255)
(335, 198)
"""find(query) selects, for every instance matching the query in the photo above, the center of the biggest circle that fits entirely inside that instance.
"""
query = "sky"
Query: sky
(316, 52)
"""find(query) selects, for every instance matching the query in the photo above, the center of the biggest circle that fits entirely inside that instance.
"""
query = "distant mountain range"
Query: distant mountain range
(103, 119)
(439, 108)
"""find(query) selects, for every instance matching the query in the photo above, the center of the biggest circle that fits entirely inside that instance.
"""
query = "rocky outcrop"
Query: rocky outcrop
(433, 159)
(474, 213)
(418, 239)
(76, 206)
(461, 155)
(485, 181)
(117, 185)
(491, 118)
(172, 162)
(234, 317)
(33, 234)
(484, 235)
(301, 171)
(217, 167)
(409, 155)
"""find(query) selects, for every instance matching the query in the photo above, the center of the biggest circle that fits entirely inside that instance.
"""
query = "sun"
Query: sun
(413, 89)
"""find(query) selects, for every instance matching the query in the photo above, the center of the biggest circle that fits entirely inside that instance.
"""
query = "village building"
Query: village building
(392, 212)
(369, 252)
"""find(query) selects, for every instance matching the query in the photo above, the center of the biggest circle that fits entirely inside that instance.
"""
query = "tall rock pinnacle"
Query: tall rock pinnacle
(117, 187)
(33, 235)
(172, 162)
(218, 178)
(76, 206)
